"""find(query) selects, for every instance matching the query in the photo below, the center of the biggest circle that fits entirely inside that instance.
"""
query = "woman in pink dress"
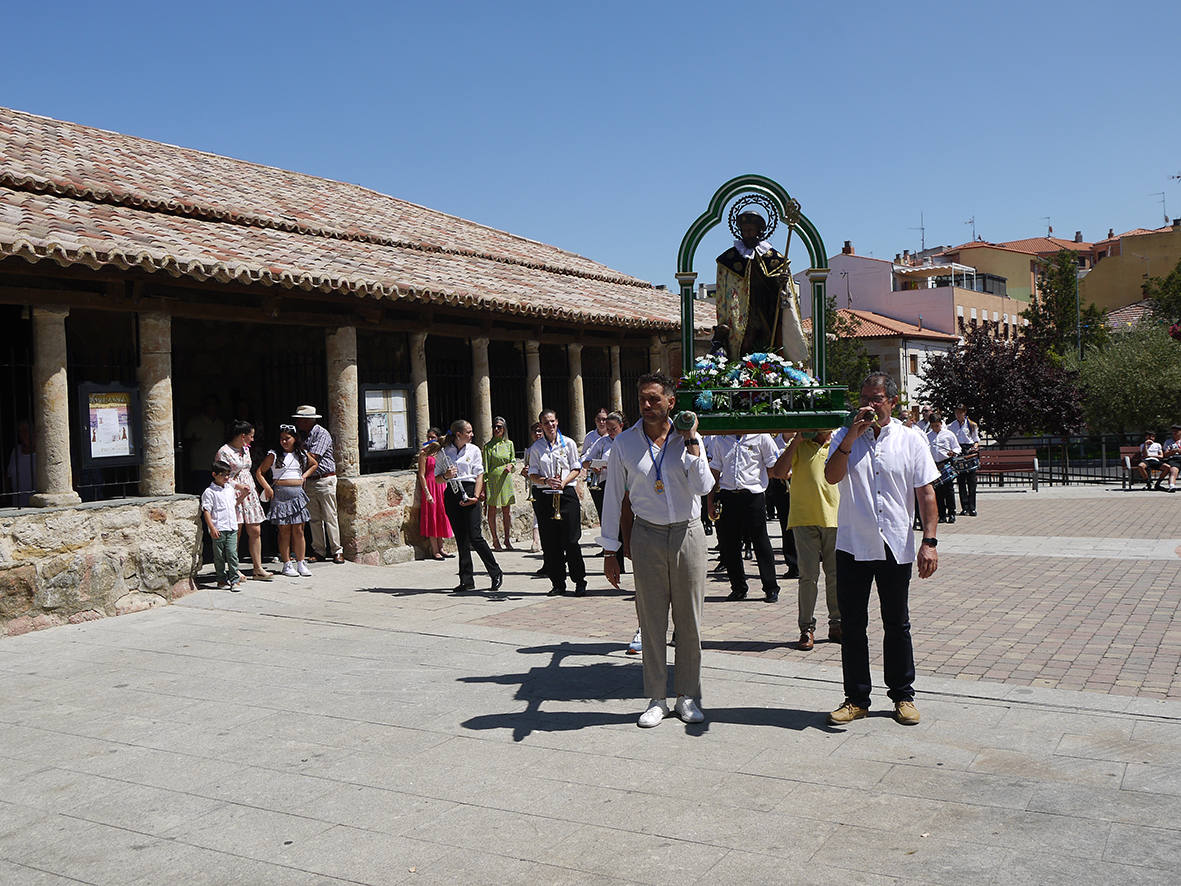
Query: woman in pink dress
(236, 453)
(433, 524)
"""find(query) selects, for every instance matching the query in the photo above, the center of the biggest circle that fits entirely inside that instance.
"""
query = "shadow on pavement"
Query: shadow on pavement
(597, 681)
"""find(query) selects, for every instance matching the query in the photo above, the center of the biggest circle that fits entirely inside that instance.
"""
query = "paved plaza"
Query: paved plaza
(367, 726)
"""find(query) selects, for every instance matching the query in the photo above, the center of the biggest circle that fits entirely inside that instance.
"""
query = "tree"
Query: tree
(845, 357)
(1056, 320)
(1164, 293)
(1009, 388)
(1134, 384)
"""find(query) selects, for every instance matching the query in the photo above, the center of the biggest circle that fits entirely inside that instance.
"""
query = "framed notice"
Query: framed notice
(109, 424)
(386, 423)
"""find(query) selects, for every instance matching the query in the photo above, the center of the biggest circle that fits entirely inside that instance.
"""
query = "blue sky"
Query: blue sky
(604, 127)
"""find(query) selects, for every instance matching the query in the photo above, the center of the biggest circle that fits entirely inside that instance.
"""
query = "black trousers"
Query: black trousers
(854, 578)
(559, 538)
(596, 494)
(744, 515)
(967, 484)
(945, 499)
(467, 525)
(778, 492)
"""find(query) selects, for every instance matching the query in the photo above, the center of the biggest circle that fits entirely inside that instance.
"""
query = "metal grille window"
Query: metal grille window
(449, 375)
(16, 407)
(506, 362)
(596, 381)
(555, 382)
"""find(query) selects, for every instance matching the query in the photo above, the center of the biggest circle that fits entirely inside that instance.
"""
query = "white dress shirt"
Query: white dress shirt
(943, 445)
(555, 459)
(631, 468)
(590, 441)
(743, 460)
(877, 491)
(967, 435)
(468, 462)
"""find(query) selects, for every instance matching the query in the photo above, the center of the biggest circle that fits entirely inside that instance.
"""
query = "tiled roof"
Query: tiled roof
(868, 324)
(979, 244)
(1128, 315)
(1043, 245)
(78, 195)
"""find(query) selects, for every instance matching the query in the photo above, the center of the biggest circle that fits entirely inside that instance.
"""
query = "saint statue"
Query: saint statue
(757, 298)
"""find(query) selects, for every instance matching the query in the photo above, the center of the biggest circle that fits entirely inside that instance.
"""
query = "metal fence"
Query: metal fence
(1069, 461)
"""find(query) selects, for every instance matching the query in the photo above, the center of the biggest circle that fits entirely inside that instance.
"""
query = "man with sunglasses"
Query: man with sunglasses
(881, 466)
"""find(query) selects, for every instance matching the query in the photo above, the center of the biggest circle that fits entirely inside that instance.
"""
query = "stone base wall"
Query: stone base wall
(378, 515)
(74, 564)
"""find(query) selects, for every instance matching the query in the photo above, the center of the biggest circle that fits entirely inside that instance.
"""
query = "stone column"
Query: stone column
(533, 378)
(343, 400)
(616, 380)
(158, 474)
(52, 409)
(481, 391)
(655, 354)
(422, 397)
(577, 418)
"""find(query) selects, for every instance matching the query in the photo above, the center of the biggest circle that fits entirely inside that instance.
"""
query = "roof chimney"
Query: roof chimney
(1110, 233)
(848, 248)
(1078, 236)
(920, 322)
(1177, 223)
(906, 256)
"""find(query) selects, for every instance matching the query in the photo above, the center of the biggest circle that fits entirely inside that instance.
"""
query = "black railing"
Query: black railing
(1072, 460)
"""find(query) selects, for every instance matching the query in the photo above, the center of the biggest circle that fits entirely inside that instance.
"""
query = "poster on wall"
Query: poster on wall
(386, 423)
(109, 424)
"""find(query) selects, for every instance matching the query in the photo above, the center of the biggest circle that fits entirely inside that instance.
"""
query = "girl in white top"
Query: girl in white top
(290, 467)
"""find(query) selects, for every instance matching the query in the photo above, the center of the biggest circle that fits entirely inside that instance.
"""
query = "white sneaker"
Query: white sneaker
(302, 568)
(289, 569)
(657, 711)
(635, 647)
(687, 710)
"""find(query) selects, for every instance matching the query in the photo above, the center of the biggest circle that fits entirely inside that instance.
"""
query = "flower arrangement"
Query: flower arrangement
(722, 384)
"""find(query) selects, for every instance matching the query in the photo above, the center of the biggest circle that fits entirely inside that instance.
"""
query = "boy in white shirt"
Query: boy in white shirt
(219, 508)
(1151, 459)
(943, 446)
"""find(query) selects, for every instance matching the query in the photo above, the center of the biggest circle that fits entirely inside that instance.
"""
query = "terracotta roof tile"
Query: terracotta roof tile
(979, 244)
(872, 325)
(1043, 245)
(1128, 315)
(78, 195)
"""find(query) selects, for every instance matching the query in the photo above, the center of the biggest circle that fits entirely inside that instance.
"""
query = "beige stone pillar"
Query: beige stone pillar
(422, 397)
(343, 399)
(656, 354)
(533, 378)
(577, 419)
(616, 380)
(481, 392)
(158, 474)
(52, 405)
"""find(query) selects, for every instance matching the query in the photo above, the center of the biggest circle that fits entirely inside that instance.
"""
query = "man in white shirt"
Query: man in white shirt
(554, 466)
(597, 451)
(664, 475)
(881, 466)
(1172, 454)
(742, 465)
(944, 446)
(967, 432)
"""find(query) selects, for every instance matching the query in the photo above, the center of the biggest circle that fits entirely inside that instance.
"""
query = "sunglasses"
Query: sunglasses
(290, 429)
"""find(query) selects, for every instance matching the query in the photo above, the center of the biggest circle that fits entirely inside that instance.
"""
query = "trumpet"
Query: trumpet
(557, 497)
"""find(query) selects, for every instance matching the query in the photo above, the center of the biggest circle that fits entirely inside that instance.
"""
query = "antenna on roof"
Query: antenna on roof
(1164, 208)
(922, 229)
(1049, 227)
(972, 222)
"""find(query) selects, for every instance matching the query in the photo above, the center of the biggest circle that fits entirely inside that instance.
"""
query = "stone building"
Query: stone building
(155, 276)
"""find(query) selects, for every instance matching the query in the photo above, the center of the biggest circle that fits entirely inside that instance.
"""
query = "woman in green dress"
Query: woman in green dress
(499, 463)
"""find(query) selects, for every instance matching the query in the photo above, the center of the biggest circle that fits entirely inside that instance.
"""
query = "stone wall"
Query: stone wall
(378, 516)
(72, 564)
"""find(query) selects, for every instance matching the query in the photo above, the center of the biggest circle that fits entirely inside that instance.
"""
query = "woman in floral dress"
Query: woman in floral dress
(499, 462)
(236, 453)
(433, 524)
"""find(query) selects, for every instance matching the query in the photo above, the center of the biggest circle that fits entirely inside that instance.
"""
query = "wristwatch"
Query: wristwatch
(932, 542)
(693, 441)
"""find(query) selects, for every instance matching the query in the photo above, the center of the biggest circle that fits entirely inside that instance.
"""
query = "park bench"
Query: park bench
(1009, 461)
(1129, 457)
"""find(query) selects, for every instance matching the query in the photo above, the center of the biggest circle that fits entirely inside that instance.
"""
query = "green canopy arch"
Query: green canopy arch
(713, 216)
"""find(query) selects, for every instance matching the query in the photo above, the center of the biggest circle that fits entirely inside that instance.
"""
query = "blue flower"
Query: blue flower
(704, 401)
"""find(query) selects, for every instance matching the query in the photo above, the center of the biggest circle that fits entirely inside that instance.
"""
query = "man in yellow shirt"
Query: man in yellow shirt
(812, 519)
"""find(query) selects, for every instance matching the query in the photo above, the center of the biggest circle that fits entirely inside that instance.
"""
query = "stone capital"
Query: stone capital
(817, 274)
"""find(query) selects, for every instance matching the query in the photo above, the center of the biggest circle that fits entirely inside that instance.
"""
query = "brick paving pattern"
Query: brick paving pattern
(1058, 621)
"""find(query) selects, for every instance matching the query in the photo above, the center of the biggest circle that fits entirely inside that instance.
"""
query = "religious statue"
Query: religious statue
(758, 303)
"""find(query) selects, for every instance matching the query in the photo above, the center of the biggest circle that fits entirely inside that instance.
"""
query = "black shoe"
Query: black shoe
(951, 518)
(497, 581)
(972, 513)
(964, 513)
(580, 589)
(736, 595)
(772, 597)
(540, 573)
(942, 519)
(556, 592)
(792, 573)
(462, 589)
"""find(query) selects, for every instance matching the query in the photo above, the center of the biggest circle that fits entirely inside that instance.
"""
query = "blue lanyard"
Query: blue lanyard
(657, 463)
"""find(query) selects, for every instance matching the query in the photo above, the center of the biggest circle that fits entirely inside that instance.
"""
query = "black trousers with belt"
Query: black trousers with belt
(467, 525)
(560, 538)
(778, 492)
(854, 578)
(744, 515)
(967, 484)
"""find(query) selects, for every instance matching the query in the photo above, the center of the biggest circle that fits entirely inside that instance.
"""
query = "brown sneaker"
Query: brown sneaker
(906, 713)
(806, 641)
(847, 713)
(834, 633)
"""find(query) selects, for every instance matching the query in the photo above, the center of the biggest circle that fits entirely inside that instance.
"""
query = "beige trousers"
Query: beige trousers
(816, 545)
(322, 509)
(669, 567)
